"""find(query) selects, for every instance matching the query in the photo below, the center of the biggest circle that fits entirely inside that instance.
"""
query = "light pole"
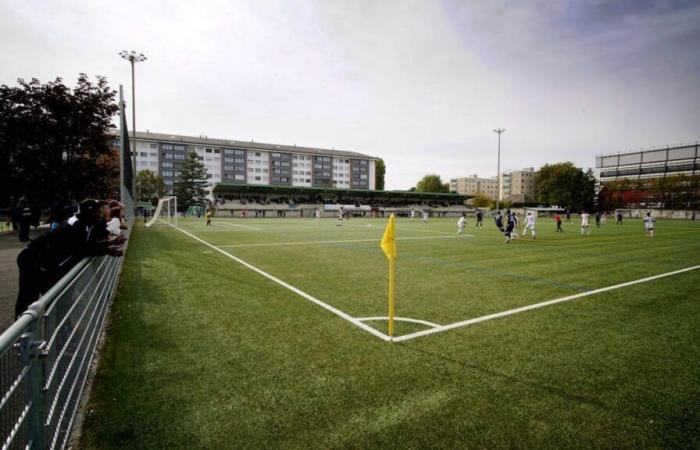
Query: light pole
(499, 131)
(133, 58)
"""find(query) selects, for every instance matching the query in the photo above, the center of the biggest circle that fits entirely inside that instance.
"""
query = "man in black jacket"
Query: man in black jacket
(52, 255)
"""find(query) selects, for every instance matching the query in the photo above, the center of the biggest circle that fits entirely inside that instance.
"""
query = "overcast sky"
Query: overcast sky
(421, 84)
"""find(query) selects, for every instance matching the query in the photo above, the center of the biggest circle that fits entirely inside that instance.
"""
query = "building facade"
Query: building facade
(255, 163)
(648, 164)
(518, 186)
(473, 185)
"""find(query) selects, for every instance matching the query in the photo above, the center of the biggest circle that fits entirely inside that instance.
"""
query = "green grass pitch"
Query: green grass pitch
(203, 352)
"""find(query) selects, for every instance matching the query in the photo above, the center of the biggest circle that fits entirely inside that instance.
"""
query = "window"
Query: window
(208, 150)
(167, 173)
(257, 178)
(179, 147)
(167, 164)
(228, 168)
(217, 151)
(153, 164)
(179, 157)
(257, 170)
(229, 160)
(275, 155)
(240, 160)
(166, 147)
(251, 170)
(258, 154)
(168, 155)
(143, 154)
(228, 151)
(285, 163)
(264, 170)
(200, 158)
(153, 146)
(239, 169)
(240, 177)
(239, 152)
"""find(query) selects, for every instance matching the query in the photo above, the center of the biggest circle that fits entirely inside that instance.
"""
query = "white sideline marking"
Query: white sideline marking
(465, 323)
(400, 319)
(429, 231)
(299, 292)
(272, 244)
(239, 225)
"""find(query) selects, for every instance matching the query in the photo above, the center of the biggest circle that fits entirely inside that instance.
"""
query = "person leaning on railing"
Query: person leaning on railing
(50, 256)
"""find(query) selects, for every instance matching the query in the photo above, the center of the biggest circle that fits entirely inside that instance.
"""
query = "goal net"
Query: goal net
(165, 213)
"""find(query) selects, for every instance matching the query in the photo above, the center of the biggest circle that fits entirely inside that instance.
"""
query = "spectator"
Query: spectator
(116, 224)
(25, 219)
(49, 257)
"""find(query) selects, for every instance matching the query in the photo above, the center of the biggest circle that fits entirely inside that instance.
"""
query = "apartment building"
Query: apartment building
(473, 185)
(518, 186)
(239, 162)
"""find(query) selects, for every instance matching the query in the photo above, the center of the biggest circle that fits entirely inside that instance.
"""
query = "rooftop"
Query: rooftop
(251, 145)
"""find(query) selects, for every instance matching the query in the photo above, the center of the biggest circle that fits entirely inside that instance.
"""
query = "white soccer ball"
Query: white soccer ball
(369, 224)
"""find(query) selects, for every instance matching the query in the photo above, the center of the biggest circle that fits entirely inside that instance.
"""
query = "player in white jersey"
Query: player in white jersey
(649, 225)
(461, 223)
(529, 224)
(584, 223)
(317, 214)
(425, 217)
(413, 213)
(339, 222)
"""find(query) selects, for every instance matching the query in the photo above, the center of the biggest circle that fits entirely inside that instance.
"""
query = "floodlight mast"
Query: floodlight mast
(133, 58)
(499, 131)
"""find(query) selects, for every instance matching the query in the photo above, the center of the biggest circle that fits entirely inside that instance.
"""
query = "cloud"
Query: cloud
(421, 84)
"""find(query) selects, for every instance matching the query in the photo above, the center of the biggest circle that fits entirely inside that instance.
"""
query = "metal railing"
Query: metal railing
(45, 356)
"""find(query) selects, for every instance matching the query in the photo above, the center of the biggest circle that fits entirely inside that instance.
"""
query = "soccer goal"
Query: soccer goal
(165, 213)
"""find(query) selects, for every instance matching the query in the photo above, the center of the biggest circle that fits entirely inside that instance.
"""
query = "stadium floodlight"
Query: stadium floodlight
(499, 131)
(133, 57)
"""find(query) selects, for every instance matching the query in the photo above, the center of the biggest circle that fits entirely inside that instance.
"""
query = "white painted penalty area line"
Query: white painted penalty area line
(299, 292)
(510, 312)
(344, 241)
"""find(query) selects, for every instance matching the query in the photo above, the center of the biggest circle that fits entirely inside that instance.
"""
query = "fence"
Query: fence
(45, 356)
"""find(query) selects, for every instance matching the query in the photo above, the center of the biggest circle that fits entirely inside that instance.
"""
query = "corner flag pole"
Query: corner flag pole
(388, 245)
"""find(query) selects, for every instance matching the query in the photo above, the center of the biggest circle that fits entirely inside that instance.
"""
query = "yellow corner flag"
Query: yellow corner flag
(388, 243)
(389, 246)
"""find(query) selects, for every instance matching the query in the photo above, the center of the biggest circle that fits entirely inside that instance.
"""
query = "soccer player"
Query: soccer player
(516, 228)
(317, 214)
(425, 217)
(597, 219)
(605, 218)
(584, 223)
(557, 217)
(499, 222)
(529, 225)
(479, 219)
(461, 223)
(649, 225)
(413, 213)
(339, 222)
(510, 217)
(207, 215)
(619, 218)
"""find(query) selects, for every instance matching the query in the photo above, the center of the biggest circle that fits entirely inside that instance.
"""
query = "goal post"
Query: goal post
(165, 213)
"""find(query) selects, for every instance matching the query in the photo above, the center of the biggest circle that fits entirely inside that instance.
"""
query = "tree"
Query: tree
(432, 183)
(190, 187)
(55, 142)
(149, 185)
(565, 185)
(482, 201)
(379, 171)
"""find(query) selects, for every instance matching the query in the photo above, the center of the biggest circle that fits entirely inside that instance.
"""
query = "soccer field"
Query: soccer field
(272, 333)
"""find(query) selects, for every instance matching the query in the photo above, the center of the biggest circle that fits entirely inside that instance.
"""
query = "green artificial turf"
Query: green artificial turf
(204, 353)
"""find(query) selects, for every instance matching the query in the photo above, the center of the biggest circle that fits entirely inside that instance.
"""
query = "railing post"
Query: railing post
(31, 352)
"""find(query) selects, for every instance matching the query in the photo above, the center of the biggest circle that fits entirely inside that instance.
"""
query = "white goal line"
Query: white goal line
(343, 241)
(510, 312)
